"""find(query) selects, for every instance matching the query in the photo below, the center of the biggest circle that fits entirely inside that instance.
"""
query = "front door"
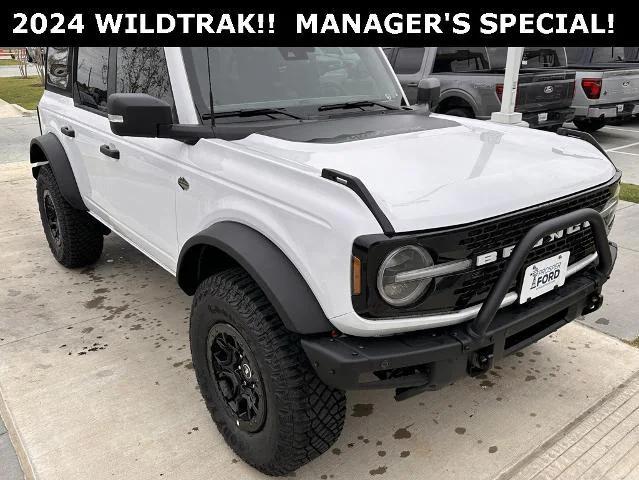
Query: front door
(133, 181)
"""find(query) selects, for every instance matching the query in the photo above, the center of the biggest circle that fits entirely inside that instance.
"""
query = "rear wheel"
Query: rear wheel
(264, 396)
(459, 112)
(74, 237)
(589, 124)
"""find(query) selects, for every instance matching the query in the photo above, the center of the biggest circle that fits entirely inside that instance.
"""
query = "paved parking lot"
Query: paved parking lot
(95, 372)
(622, 144)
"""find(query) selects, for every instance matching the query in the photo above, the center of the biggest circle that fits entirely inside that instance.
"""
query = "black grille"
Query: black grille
(475, 285)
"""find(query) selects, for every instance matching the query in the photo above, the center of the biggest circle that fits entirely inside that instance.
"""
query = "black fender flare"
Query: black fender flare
(271, 269)
(47, 148)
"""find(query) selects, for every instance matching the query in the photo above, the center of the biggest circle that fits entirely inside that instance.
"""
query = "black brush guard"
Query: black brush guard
(430, 359)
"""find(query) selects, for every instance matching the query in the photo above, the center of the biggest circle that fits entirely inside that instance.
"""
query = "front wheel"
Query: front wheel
(265, 398)
(589, 124)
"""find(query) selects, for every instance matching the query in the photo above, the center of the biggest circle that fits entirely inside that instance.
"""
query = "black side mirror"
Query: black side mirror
(137, 114)
(428, 92)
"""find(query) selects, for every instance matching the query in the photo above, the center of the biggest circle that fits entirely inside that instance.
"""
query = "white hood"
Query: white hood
(462, 173)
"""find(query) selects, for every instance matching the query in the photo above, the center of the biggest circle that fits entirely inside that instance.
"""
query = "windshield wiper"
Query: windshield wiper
(269, 112)
(358, 104)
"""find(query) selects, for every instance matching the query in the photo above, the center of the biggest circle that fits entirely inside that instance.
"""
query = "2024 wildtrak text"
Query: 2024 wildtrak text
(333, 237)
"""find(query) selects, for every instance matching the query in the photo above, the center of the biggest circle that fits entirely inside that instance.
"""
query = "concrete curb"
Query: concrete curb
(24, 111)
(518, 469)
(16, 440)
(9, 110)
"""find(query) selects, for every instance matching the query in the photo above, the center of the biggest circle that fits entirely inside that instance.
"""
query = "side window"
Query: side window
(464, 59)
(143, 70)
(58, 67)
(91, 77)
(409, 60)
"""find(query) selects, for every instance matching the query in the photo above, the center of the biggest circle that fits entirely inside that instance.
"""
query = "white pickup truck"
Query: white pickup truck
(607, 84)
(333, 237)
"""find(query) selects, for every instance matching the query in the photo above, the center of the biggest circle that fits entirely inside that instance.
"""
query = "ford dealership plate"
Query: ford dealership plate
(544, 276)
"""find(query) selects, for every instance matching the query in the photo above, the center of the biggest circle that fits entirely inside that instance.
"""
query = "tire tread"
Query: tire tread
(313, 413)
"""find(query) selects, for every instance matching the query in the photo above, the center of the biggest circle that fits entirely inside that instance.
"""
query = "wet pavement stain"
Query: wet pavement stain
(404, 454)
(362, 409)
(379, 470)
(336, 451)
(487, 384)
(530, 378)
(95, 302)
(460, 430)
(602, 321)
(492, 449)
(403, 433)
(381, 453)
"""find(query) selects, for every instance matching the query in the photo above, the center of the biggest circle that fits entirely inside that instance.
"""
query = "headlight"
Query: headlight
(610, 208)
(398, 292)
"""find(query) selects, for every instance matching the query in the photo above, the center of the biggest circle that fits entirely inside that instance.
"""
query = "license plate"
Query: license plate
(542, 117)
(544, 276)
(620, 108)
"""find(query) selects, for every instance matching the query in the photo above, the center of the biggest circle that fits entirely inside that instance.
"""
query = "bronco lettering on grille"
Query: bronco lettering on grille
(490, 257)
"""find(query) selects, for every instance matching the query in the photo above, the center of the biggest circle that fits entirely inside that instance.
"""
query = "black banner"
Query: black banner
(364, 26)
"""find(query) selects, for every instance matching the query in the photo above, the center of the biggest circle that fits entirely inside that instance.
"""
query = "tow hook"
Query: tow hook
(593, 303)
(480, 362)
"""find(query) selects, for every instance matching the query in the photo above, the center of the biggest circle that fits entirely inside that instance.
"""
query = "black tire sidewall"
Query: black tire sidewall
(262, 445)
(459, 112)
(46, 183)
(590, 125)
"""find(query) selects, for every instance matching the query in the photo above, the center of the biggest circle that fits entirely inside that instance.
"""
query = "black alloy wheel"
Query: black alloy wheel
(237, 377)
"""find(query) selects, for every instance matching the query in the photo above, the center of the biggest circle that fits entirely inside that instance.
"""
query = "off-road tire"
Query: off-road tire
(590, 124)
(80, 236)
(459, 112)
(304, 417)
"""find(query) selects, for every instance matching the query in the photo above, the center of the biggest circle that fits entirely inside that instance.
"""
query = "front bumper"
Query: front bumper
(431, 359)
(612, 110)
(554, 118)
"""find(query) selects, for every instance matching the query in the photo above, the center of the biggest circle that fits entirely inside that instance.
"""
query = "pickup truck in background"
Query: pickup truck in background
(472, 81)
(607, 84)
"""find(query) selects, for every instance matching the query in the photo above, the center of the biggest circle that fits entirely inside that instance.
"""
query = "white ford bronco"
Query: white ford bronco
(333, 237)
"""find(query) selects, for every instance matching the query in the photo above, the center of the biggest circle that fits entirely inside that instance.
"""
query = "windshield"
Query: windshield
(293, 79)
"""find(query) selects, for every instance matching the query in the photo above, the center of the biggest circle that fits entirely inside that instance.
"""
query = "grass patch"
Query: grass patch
(8, 61)
(26, 92)
(634, 343)
(629, 192)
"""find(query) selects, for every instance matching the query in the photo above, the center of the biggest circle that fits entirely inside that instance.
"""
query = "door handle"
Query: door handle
(68, 131)
(411, 84)
(110, 152)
